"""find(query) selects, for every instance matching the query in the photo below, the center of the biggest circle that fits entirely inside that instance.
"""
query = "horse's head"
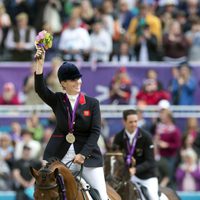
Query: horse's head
(118, 176)
(116, 167)
(46, 186)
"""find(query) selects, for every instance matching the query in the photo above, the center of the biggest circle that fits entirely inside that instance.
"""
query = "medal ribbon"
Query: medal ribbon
(71, 120)
(131, 148)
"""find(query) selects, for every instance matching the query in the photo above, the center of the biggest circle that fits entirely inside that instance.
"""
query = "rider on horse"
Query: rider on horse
(78, 123)
(137, 144)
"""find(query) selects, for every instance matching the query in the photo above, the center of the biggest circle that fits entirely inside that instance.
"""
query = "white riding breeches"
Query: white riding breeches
(151, 184)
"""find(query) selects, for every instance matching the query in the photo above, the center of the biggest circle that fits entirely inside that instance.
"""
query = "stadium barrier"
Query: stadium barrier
(10, 195)
(108, 111)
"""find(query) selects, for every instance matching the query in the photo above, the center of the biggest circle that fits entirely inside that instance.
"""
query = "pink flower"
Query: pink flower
(44, 39)
(41, 35)
(38, 38)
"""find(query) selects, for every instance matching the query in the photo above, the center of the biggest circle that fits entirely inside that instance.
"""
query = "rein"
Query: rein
(68, 165)
(61, 183)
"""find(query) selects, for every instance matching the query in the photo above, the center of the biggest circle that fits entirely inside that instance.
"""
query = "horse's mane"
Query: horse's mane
(50, 165)
(52, 161)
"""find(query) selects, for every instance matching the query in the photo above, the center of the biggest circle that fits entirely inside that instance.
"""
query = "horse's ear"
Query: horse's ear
(34, 172)
(56, 172)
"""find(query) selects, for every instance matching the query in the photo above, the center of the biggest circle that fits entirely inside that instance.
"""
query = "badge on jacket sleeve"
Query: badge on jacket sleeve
(86, 113)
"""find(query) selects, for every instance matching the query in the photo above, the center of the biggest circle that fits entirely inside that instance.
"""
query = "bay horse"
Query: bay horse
(118, 176)
(56, 182)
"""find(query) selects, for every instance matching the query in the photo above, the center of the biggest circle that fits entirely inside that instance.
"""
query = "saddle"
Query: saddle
(143, 190)
(91, 192)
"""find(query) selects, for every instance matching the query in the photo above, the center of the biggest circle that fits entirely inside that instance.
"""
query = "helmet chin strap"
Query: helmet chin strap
(62, 87)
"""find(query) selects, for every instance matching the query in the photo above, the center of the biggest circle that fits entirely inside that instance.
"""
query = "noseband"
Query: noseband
(44, 173)
(48, 187)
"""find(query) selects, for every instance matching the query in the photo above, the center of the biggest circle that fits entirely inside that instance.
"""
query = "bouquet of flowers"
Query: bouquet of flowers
(44, 40)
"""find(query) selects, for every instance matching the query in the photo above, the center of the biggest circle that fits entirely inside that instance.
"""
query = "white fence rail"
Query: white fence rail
(108, 111)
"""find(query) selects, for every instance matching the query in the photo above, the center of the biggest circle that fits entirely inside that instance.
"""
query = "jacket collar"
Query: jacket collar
(82, 99)
(139, 134)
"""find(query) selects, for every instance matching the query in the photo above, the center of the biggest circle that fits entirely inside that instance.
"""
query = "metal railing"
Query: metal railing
(108, 111)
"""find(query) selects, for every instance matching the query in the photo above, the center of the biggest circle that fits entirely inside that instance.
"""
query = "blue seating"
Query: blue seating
(8, 195)
(189, 195)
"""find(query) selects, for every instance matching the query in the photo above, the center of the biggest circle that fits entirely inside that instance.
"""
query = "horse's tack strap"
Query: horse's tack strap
(61, 186)
(85, 188)
(46, 187)
(83, 183)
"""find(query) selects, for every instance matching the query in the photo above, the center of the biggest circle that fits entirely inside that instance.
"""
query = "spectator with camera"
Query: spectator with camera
(145, 17)
(146, 46)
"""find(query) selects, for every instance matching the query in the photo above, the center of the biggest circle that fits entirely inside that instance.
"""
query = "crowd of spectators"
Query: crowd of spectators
(102, 30)
(105, 30)
(176, 150)
(181, 89)
(121, 88)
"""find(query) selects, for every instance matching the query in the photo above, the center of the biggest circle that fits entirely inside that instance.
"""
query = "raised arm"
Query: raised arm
(39, 59)
(40, 87)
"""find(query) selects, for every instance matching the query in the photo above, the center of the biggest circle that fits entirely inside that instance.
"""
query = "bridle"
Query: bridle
(59, 182)
(44, 172)
(120, 183)
(117, 181)
(49, 187)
